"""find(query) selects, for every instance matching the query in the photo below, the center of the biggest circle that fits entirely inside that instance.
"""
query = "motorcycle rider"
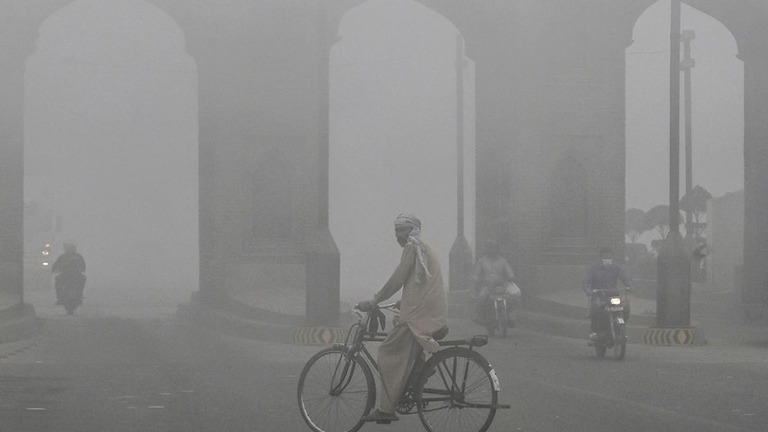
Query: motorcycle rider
(603, 275)
(68, 266)
(490, 275)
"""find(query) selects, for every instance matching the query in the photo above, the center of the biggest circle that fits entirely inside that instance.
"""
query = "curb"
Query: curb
(251, 325)
(12, 349)
(17, 323)
(229, 324)
(537, 315)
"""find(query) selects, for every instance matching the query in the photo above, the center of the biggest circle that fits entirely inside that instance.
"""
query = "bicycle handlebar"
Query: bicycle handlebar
(388, 306)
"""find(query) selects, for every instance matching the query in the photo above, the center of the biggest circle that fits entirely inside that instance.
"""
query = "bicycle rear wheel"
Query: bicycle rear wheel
(335, 391)
(458, 392)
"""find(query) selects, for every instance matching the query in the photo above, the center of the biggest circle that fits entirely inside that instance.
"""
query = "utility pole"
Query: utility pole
(686, 65)
(460, 256)
(674, 120)
(673, 269)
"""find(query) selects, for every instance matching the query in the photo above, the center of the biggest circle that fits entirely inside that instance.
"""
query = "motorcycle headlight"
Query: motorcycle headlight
(615, 300)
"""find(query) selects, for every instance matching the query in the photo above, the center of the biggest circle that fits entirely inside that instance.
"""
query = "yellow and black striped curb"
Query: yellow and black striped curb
(318, 335)
(673, 336)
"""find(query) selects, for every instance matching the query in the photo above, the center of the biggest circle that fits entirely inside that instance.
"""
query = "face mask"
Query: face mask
(607, 262)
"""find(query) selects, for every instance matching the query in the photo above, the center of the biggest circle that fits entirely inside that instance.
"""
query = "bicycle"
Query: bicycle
(500, 312)
(455, 389)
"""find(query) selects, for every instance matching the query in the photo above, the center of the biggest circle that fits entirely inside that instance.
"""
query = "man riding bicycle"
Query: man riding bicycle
(422, 313)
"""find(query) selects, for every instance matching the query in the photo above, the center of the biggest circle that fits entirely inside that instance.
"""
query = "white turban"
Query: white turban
(406, 219)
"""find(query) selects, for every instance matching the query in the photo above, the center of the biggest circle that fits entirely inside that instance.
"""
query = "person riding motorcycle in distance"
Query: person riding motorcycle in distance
(603, 275)
(70, 264)
(422, 317)
(490, 275)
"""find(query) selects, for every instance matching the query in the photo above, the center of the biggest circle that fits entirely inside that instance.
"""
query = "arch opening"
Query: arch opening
(111, 151)
(393, 125)
(716, 120)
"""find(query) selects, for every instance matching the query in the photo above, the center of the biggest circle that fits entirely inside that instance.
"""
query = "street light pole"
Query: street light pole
(673, 272)
(674, 120)
(460, 256)
(687, 64)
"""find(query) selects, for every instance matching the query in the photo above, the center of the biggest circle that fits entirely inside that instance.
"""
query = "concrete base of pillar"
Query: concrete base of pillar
(673, 290)
(460, 265)
(323, 275)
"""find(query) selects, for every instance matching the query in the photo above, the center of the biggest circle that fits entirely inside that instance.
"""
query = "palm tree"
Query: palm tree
(695, 203)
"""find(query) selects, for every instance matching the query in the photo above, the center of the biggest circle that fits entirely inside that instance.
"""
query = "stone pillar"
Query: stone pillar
(755, 277)
(12, 65)
(322, 258)
(204, 49)
(211, 272)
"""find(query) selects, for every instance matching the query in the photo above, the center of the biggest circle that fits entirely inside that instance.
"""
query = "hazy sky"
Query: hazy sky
(393, 137)
(717, 114)
(111, 145)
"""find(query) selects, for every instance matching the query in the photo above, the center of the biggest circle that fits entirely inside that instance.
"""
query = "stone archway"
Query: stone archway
(111, 131)
(393, 135)
(748, 22)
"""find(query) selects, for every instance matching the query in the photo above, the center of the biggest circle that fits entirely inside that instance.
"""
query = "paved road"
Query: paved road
(95, 372)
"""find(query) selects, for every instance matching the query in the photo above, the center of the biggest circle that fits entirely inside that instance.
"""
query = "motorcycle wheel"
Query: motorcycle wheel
(600, 349)
(619, 341)
(503, 319)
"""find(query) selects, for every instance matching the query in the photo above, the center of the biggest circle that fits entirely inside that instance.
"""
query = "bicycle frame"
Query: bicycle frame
(361, 335)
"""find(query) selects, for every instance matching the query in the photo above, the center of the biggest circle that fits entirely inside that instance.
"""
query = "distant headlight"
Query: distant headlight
(615, 300)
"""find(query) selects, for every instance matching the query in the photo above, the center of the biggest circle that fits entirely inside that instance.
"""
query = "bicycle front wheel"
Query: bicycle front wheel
(458, 392)
(335, 391)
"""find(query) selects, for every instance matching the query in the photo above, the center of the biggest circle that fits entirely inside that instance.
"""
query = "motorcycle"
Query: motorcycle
(612, 332)
(501, 314)
(71, 291)
(500, 310)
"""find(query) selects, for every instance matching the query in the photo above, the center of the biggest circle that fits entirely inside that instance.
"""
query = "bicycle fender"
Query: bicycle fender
(494, 379)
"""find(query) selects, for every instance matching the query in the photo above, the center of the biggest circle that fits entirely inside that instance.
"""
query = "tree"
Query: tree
(658, 219)
(635, 224)
(695, 202)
